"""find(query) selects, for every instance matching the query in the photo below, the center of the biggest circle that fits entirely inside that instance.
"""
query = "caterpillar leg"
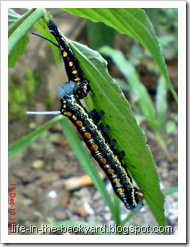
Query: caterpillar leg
(96, 115)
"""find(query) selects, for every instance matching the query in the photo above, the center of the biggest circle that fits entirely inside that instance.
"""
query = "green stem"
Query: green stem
(163, 146)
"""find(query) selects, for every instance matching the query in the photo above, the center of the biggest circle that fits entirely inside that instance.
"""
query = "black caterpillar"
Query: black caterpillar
(72, 67)
(102, 149)
(94, 134)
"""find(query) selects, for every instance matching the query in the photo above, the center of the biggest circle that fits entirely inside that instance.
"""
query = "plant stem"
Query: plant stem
(163, 146)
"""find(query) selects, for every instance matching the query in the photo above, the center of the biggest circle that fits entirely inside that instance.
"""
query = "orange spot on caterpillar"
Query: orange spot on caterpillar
(110, 171)
(87, 135)
(79, 123)
(67, 113)
(102, 161)
(94, 147)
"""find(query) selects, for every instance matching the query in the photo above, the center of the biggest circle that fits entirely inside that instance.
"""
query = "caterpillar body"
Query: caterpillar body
(97, 140)
(74, 72)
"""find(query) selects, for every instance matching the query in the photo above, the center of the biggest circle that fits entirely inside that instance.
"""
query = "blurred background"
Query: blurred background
(51, 185)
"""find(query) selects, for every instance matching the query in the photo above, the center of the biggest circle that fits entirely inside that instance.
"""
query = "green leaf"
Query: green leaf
(17, 34)
(12, 16)
(18, 51)
(137, 89)
(107, 96)
(100, 39)
(43, 30)
(134, 23)
(171, 127)
(161, 102)
(171, 191)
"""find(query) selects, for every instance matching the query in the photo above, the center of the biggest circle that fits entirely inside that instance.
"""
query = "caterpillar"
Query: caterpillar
(72, 67)
(94, 134)
(102, 149)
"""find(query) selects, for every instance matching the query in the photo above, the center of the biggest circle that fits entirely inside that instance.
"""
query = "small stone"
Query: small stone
(25, 176)
(81, 212)
(89, 210)
(97, 196)
(46, 180)
(60, 215)
(30, 191)
(38, 164)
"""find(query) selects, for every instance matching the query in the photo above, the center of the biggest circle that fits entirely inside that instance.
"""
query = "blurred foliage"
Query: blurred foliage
(21, 94)
(46, 141)
(145, 109)
(100, 29)
(165, 22)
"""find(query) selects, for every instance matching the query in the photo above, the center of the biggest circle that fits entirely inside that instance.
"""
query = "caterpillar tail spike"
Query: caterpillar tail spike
(43, 112)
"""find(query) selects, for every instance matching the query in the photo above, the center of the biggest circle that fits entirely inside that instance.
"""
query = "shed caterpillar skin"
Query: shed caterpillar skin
(102, 149)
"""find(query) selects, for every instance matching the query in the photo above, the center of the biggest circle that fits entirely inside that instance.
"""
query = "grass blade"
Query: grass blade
(161, 102)
(30, 138)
